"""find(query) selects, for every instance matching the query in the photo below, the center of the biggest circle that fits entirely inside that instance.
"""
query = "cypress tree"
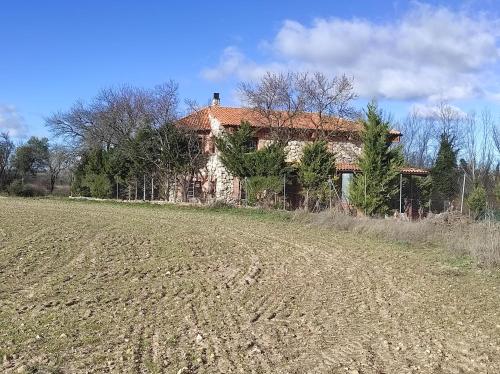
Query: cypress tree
(314, 169)
(380, 163)
(444, 173)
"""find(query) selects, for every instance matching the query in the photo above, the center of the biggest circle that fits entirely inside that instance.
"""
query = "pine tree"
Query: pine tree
(373, 188)
(444, 173)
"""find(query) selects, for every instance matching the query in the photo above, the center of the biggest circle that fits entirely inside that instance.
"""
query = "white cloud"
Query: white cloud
(434, 111)
(11, 121)
(429, 53)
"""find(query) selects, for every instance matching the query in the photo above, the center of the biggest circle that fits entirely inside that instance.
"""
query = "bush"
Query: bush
(263, 190)
(17, 188)
(99, 185)
(477, 201)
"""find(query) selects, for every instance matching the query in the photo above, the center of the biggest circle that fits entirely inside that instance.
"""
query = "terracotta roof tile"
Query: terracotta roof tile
(346, 167)
(228, 116)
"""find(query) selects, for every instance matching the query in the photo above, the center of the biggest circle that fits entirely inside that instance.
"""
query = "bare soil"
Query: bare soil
(98, 287)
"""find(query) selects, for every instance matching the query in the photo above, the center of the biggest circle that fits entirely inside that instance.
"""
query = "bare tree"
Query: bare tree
(6, 151)
(330, 99)
(449, 123)
(59, 159)
(417, 139)
(116, 115)
(277, 101)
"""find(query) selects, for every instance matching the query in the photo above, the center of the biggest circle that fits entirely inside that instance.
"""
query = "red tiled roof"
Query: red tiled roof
(228, 116)
(346, 167)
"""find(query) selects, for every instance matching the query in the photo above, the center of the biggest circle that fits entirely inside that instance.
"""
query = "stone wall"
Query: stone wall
(347, 152)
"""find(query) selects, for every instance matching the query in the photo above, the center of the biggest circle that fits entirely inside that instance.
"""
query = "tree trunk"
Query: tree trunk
(144, 187)
(152, 189)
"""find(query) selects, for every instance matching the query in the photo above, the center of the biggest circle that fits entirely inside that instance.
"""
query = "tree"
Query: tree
(232, 148)
(316, 166)
(280, 99)
(6, 151)
(417, 139)
(444, 173)
(373, 188)
(59, 159)
(32, 157)
(115, 115)
(477, 201)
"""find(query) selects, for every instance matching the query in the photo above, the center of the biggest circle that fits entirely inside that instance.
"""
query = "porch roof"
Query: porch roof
(406, 170)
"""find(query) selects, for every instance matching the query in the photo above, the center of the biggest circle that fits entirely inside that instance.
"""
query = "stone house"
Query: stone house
(215, 183)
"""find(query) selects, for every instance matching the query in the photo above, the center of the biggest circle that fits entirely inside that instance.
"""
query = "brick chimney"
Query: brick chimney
(216, 99)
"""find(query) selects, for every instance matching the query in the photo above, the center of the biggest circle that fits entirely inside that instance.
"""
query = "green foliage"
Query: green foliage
(380, 165)
(97, 162)
(477, 201)
(316, 166)
(98, 184)
(32, 156)
(263, 168)
(497, 192)
(233, 148)
(269, 161)
(17, 188)
(241, 161)
(444, 172)
(421, 190)
(263, 189)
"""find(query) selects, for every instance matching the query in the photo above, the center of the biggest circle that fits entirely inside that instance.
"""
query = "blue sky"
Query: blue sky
(402, 53)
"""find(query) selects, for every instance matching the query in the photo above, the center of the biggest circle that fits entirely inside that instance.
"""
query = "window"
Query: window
(194, 189)
(252, 144)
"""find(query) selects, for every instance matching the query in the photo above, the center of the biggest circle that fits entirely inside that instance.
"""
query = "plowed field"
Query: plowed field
(99, 287)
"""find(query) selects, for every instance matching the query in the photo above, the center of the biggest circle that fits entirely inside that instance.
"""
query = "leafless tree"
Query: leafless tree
(450, 122)
(59, 159)
(281, 99)
(115, 115)
(417, 139)
(330, 99)
(277, 101)
(6, 151)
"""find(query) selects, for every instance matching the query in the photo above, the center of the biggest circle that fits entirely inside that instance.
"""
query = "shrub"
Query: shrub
(17, 188)
(316, 166)
(99, 185)
(477, 201)
(263, 190)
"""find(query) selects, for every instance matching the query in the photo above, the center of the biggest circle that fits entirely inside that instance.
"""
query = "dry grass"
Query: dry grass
(478, 240)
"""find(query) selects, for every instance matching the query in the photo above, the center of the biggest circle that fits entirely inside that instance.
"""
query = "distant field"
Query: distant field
(100, 287)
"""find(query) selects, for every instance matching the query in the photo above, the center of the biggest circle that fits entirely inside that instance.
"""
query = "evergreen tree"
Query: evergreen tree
(314, 169)
(380, 163)
(444, 173)
(477, 201)
(233, 147)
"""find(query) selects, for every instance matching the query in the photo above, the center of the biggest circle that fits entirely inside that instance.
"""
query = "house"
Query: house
(214, 182)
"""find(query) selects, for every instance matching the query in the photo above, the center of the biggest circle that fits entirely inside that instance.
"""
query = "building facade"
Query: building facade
(215, 183)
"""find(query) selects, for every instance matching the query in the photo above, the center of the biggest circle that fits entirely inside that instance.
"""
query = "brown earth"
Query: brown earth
(98, 287)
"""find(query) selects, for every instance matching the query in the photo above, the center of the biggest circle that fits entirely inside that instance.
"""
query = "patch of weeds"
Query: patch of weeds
(460, 262)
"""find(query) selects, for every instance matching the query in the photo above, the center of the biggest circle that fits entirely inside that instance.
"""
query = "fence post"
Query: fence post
(284, 192)
(463, 192)
(330, 183)
(400, 192)
(152, 189)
